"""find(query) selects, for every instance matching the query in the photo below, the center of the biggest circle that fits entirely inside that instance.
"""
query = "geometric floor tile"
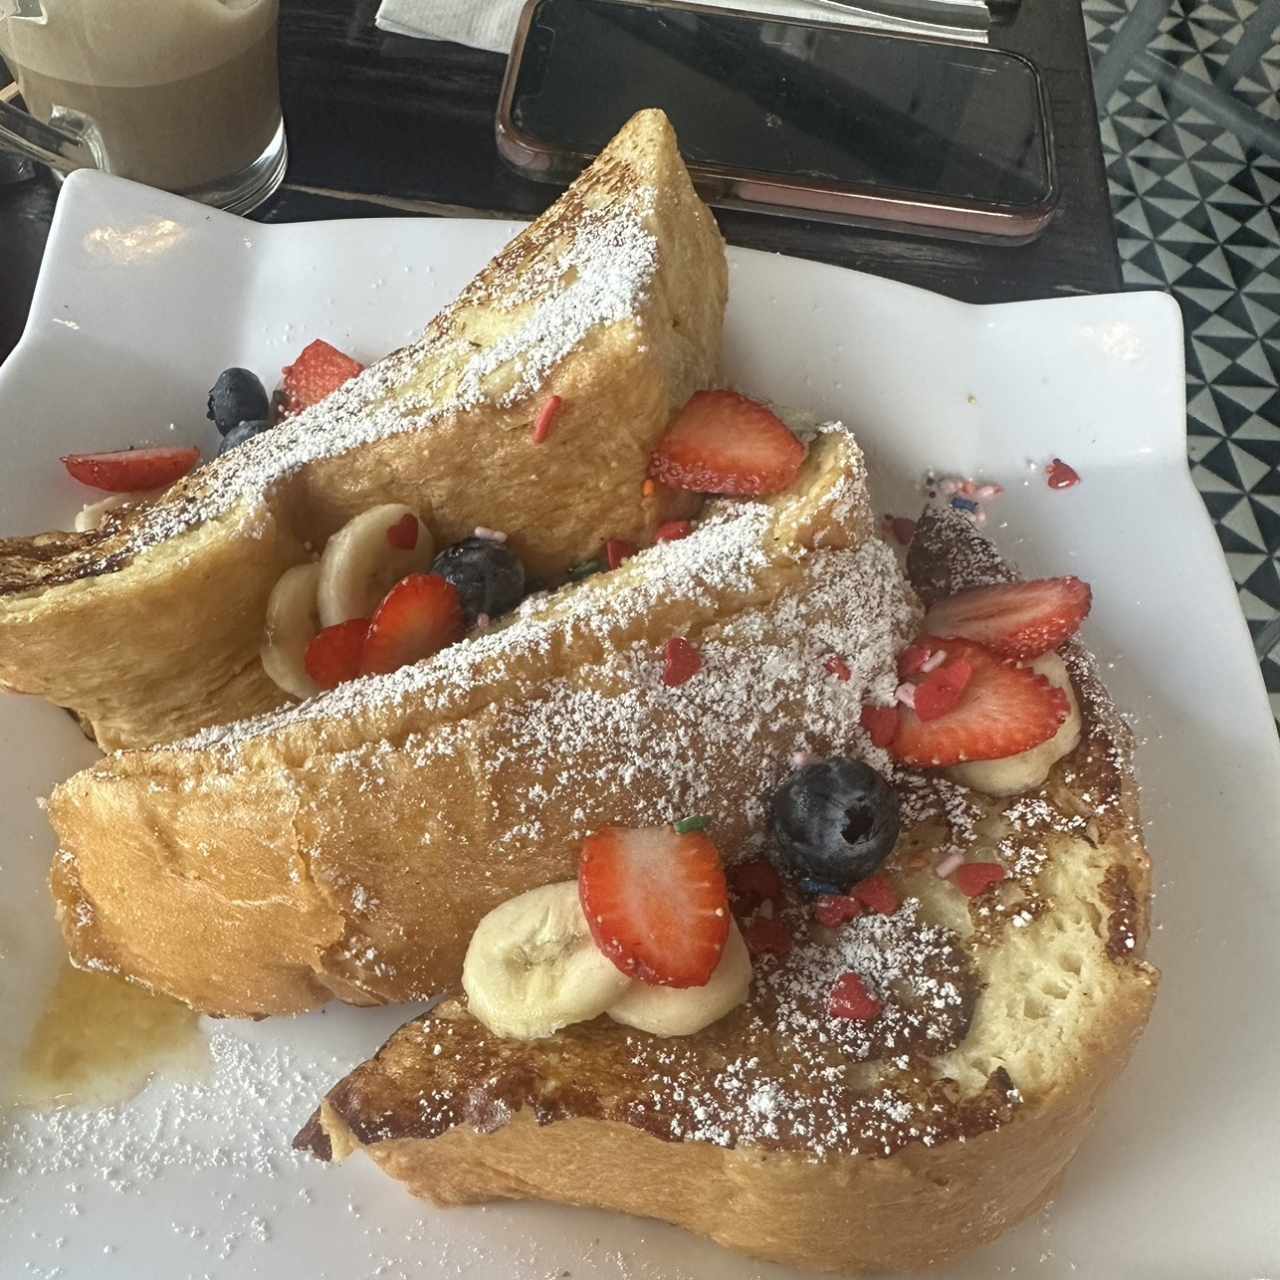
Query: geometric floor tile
(1191, 140)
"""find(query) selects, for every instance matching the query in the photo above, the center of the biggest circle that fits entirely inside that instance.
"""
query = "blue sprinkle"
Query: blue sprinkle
(964, 504)
(817, 888)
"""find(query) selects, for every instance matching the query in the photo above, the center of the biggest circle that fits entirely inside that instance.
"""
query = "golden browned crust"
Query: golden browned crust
(150, 627)
(782, 1133)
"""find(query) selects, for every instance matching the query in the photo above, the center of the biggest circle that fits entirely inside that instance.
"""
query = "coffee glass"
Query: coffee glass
(179, 94)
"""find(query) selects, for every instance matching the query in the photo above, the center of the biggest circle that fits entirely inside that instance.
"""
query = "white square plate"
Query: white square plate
(144, 297)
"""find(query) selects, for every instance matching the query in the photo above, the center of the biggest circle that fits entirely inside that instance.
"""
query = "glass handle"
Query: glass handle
(69, 141)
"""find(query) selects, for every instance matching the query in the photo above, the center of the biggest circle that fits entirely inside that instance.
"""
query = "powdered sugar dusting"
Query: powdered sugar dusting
(549, 293)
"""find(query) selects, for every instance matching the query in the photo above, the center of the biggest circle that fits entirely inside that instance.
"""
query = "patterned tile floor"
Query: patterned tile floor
(1189, 105)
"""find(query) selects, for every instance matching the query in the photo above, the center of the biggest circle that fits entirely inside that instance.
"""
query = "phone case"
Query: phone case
(878, 209)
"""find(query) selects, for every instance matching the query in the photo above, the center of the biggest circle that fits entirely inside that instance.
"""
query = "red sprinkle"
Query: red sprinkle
(683, 662)
(1061, 475)
(673, 530)
(648, 489)
(900, 528)
(941, 690)
(975, 878)
(838, 667)
(912, 659)
(403, 535)
(850, 999)
(835, 911)
(755, 882)
(768, 937)
(546, 416)
(876, 894)
(881, 723)
(616, 550)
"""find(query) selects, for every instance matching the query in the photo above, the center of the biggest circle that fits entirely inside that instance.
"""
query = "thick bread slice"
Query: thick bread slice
(349, 846)
(613, 300)
(816, 1142)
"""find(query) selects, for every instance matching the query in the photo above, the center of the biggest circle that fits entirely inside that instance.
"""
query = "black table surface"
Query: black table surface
(385, 125)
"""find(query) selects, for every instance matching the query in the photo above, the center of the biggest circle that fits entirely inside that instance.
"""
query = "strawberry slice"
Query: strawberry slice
(1014, 619)
(876, 894)
(320, 370)
(333, 656)
(721, 442)
(419, 616)
(125, 470)
(881, 723)
(941, 690)
(833, 910)
(1003, 709)
(657, 903)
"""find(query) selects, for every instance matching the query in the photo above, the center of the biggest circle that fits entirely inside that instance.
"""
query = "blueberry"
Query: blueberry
(237, 397)
(835, 821)
(488, 575)
(242, 432)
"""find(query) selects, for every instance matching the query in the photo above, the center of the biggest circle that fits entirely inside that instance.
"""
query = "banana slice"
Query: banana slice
(533, 968)
(91, 516)
(359, 565)
(680, 1011)
(292, 622)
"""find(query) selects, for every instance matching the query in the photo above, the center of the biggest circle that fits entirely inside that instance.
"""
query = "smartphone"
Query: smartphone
(777, 115)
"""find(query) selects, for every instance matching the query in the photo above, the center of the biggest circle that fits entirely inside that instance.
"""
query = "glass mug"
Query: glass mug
(179, 94)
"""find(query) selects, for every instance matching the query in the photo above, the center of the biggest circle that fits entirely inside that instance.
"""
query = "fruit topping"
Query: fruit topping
(682, 1011)
(616, 550)
(721, 442)
(1061, 475)
(1014, 619)
(755, 882)
(881, 723)
(975, 878)
(128, 470)
(657, 903)
(941, 689)
(546, 417)
(419, 616)
(1003, 709)
(334, 654)
(360, 563)
(833, 910)
(673, 530)
(877, 895)
(403, 534)
(765, 936)
(292, 623)
(532, 966)
(835, 821)
(241, 432)
(319, 371)
(237, 396)
(682, 662)
(488, 575)
(838, 667)
(850, 999)
(900, 528)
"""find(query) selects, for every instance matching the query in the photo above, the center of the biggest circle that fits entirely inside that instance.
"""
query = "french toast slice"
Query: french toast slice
(348, 846)
(149, 628)
(794, 1136)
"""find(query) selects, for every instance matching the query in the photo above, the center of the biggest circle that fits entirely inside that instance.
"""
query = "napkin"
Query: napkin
(491, 24)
